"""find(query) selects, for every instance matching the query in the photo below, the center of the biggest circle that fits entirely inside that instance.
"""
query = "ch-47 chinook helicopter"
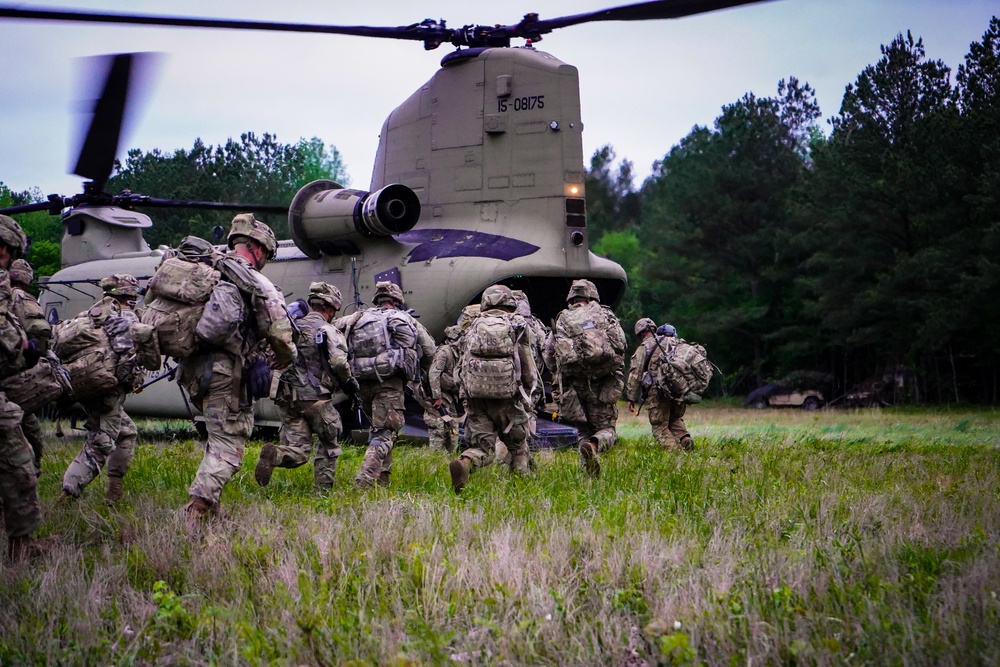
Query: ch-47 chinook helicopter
(478, 179)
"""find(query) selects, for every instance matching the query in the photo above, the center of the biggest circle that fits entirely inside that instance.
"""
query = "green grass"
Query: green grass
(832, 537)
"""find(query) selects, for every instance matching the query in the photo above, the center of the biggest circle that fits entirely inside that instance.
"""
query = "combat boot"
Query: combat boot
(520, 464)
(459, 469)
(370, 471)
(114, 493)
(196, 510)
(383, 478)
(687, 444)
(265, 465)
(588, 455)
(26, 547)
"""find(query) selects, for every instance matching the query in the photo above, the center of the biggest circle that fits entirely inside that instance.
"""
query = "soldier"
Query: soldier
(213, 373)
(111, 433)
(29, 314)
(666, 414)
(305, 393)
(497, 379)
(584, 353)
(386, 348)
(18, 482)
(441, 416)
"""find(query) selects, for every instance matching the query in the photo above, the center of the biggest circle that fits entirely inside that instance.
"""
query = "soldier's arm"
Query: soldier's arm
(336, 355)
(633, 388)
(548, 352)
(438, 367)
(426, 346)
(529, 372)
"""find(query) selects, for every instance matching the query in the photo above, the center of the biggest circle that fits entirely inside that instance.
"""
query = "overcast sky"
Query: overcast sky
(643, 85)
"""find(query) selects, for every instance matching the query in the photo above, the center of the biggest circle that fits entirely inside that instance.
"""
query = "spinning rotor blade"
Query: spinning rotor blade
(430, 32)
(97, 155)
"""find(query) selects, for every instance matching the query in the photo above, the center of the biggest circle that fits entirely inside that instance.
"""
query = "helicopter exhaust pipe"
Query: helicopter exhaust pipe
(324, 215)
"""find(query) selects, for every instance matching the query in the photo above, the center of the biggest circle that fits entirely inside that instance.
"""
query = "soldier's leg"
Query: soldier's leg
(325, 422)
(18, 482)
(513, 421)
(387, 419)
(121, 458)
(296, 442)
(602, 410)
(480, 434)
(678, 428)
(32, 429)
(228, 431)
(659, 421)
(437, 430)
(104, 421)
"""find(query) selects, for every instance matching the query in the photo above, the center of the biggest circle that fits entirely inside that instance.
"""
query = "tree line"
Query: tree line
(871, 253)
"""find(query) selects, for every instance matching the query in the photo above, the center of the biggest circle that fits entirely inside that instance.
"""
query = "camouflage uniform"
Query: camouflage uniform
(666, 416)
(588, 402)
(306, 394)
(382, 396)
(29, 314)
(214, 376)
(442, 429)
(18, 482)
(489, 419)
(111, 434)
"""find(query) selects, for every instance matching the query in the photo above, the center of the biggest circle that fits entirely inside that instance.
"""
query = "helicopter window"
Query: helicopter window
(576, 205)
(74, 226)
(574, 220)
(52, 317)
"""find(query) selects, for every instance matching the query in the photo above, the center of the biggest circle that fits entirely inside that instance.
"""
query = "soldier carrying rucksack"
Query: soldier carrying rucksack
(309, 392)
(441, 415)
(669, 373)
(497, 378)
(105, 349)
(386, 350)
(584, 353)
(226, 324)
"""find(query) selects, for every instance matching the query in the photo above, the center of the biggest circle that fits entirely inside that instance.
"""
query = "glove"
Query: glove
(351, 386)
(259, 379)
(32, 353)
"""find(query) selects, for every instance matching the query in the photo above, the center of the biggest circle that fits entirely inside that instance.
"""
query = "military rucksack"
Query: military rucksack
(175, 301)
(680, 367)
(219, 324)
(588, 340)
(382, 343)
(489, 366)
(85, 348)
(39, 385)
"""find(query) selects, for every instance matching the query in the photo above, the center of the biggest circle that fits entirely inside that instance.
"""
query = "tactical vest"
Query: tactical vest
(29, 313)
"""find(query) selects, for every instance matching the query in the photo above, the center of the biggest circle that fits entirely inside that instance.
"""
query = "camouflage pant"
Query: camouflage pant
(18, 482)
(666, 416)
(33, 432)
(442, 431)
(111, 438)
(591, 405)
(384, 404)
(485, 421)
(300, 420)
(228, 425)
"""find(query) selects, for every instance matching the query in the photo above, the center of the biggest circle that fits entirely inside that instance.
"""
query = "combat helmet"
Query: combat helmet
(120, 284)
(245, 225)
(20, 272)
(498, 296)
(384, 289)
(667, 330)
(583, 288)
(12, 236)
(644, 324)
(325, 293)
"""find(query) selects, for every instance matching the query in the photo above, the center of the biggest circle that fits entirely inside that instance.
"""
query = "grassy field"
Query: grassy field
(786, 537)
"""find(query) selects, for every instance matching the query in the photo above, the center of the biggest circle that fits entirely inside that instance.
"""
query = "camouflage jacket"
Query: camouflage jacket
(637, 367)
(441, 376)
(321, 362)
(12, 336)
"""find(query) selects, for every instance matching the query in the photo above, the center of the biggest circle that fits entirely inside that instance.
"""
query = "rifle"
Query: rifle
(167, 373)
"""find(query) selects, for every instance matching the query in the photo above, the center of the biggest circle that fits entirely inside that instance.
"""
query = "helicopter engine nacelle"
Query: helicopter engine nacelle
(324, 216)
